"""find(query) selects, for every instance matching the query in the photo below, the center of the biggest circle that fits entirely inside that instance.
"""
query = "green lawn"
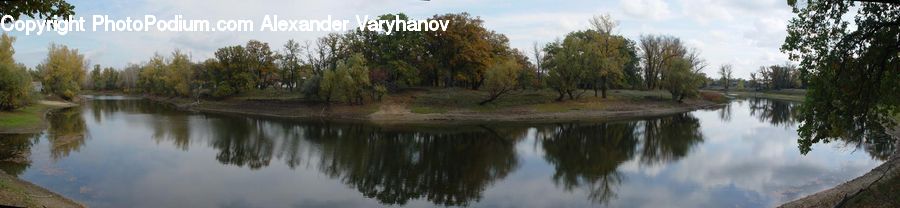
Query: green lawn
(26, 117)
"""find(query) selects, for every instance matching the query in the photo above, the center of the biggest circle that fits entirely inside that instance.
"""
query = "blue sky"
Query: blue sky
(746, 34)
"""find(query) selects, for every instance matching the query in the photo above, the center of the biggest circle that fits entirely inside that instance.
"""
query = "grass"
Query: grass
(26, 117)
(784, 94)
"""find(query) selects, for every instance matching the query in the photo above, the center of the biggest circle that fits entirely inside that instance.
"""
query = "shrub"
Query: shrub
(15, 87)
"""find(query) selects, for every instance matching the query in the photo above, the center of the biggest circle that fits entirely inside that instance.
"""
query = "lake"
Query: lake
(121, 152)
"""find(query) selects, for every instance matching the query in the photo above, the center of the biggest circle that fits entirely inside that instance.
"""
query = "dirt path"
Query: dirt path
(19, 193)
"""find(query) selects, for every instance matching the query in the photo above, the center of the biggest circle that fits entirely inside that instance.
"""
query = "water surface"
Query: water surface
(114, 152)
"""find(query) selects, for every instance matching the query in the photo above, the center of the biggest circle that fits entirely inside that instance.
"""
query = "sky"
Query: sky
(745, 34)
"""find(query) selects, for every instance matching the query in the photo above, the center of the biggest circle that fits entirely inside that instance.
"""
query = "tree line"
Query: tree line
(61, 74)
(361, 65)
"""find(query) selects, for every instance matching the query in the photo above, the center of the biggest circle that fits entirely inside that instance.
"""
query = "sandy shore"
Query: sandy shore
(19, 193)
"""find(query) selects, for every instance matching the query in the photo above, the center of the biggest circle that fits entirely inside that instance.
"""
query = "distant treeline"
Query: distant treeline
(359, 66)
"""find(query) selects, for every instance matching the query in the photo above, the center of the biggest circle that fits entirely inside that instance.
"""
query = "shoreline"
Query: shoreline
(18, 192)
(21, 193)
(388, 114)
(48, 107)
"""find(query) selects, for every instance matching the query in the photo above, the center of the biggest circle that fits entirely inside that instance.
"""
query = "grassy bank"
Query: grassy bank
(429, 105)
(784, 94)
(29, 119)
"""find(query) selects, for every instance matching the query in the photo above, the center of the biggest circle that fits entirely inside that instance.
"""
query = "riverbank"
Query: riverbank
(427, 106)
(30, 119)
(880, 187)
(784, 94)
(19, 193)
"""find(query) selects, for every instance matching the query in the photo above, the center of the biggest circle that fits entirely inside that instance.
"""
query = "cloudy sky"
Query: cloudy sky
(746, 34)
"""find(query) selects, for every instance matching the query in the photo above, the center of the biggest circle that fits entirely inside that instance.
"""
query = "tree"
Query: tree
(608, 54)
(564, 74)
(538, 54)
(853, 73)
(651, 56)
(463, 51)
(501, 79)
(229, 71)
(93, 77)
(110, 79)
(15, 81)
(44, 9)
(349, 80)
(63, 71)
(151, 74)
(291, 64)
(177, 75)
(261, 61)
(725, 72)
(681, 80)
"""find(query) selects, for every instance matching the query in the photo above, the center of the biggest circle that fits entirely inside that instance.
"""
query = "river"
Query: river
(122, 152)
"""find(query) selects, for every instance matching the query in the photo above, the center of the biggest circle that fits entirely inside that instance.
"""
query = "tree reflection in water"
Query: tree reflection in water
(14, 152)
(785, 113)
(241, 141)
(392, 166)
(777, 112)
(588, 156)
(67, 132)
(446, 168)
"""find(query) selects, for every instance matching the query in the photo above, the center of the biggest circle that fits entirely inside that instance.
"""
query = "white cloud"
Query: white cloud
(646, 9)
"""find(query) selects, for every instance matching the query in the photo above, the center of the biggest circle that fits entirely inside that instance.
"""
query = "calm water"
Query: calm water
(115, 152)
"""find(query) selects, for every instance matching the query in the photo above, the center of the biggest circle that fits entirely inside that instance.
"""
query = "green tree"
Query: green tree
(63, 71)
(152, 74)
(608, 60)
(501, 79)
(681, 80)
(463, 51)
(261, 61)
(564, 73)
(15, 81)
(110, 78)
(229, 71)
(177, 75)
(94, 81)
(15, 87)
(853, 72)
(43, 9)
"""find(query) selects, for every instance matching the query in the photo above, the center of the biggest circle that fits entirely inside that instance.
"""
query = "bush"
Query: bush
(63, 71)
(15, 87)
